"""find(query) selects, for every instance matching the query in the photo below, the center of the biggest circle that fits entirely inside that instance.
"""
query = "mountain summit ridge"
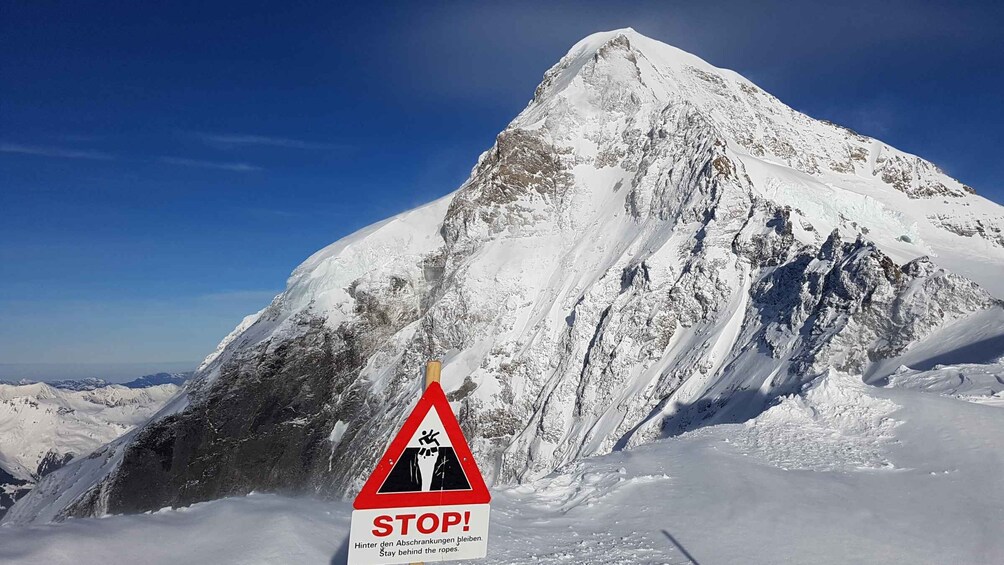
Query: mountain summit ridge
(668, 71)
(651, 246)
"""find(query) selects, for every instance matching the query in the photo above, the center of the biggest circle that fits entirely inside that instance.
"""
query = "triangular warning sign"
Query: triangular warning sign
(427, 464)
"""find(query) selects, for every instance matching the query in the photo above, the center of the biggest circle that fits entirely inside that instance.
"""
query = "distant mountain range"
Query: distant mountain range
(43, 426)
(92, 383)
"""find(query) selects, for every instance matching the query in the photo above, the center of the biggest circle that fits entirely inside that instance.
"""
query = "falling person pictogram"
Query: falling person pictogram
(427, 464)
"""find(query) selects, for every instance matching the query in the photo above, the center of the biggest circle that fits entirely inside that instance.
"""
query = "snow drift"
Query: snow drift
(708, 496)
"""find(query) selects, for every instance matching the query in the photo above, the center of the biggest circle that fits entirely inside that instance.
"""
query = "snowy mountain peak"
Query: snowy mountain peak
(627, 40)
(622, 71)
(614, 90)
(653, 245)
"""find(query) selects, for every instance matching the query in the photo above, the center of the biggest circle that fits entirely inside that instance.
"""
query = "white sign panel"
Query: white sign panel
(414, 534)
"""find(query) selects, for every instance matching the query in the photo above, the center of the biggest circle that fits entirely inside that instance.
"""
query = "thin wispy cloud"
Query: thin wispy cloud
(195, 163)
(233, 140)
(58, 152)
(242, 295)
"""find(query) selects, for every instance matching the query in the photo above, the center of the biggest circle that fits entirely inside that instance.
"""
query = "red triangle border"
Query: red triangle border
(434, 398)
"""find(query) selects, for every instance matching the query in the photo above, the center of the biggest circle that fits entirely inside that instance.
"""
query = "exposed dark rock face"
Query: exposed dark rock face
(522, 168)
(263, 425)
(11, 489)
(51, 462)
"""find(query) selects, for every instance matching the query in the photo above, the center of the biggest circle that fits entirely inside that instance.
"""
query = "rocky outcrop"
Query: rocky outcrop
(52, 461)
(11, 489)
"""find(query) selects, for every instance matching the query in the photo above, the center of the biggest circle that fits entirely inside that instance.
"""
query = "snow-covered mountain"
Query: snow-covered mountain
(42, 426)
(653, 245)
(91, 383)
(158, 379)
(88, 383)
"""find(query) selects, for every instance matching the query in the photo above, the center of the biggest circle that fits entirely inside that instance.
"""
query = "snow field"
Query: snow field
(840, 473)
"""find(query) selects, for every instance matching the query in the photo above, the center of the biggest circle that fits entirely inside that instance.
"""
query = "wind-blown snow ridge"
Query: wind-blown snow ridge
(834, 425)
(653, 245)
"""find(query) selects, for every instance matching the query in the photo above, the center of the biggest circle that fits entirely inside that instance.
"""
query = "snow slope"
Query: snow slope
(978, 339)
(41, 427)
(37, 418)
(653, 245)
(840, 473)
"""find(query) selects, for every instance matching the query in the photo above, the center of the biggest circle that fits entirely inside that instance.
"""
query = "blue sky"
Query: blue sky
(164, 166)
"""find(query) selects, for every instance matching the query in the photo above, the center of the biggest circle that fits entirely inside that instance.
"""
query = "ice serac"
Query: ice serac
(652, 245)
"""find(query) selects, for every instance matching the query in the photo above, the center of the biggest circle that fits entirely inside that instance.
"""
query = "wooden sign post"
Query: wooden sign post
(432, 371)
